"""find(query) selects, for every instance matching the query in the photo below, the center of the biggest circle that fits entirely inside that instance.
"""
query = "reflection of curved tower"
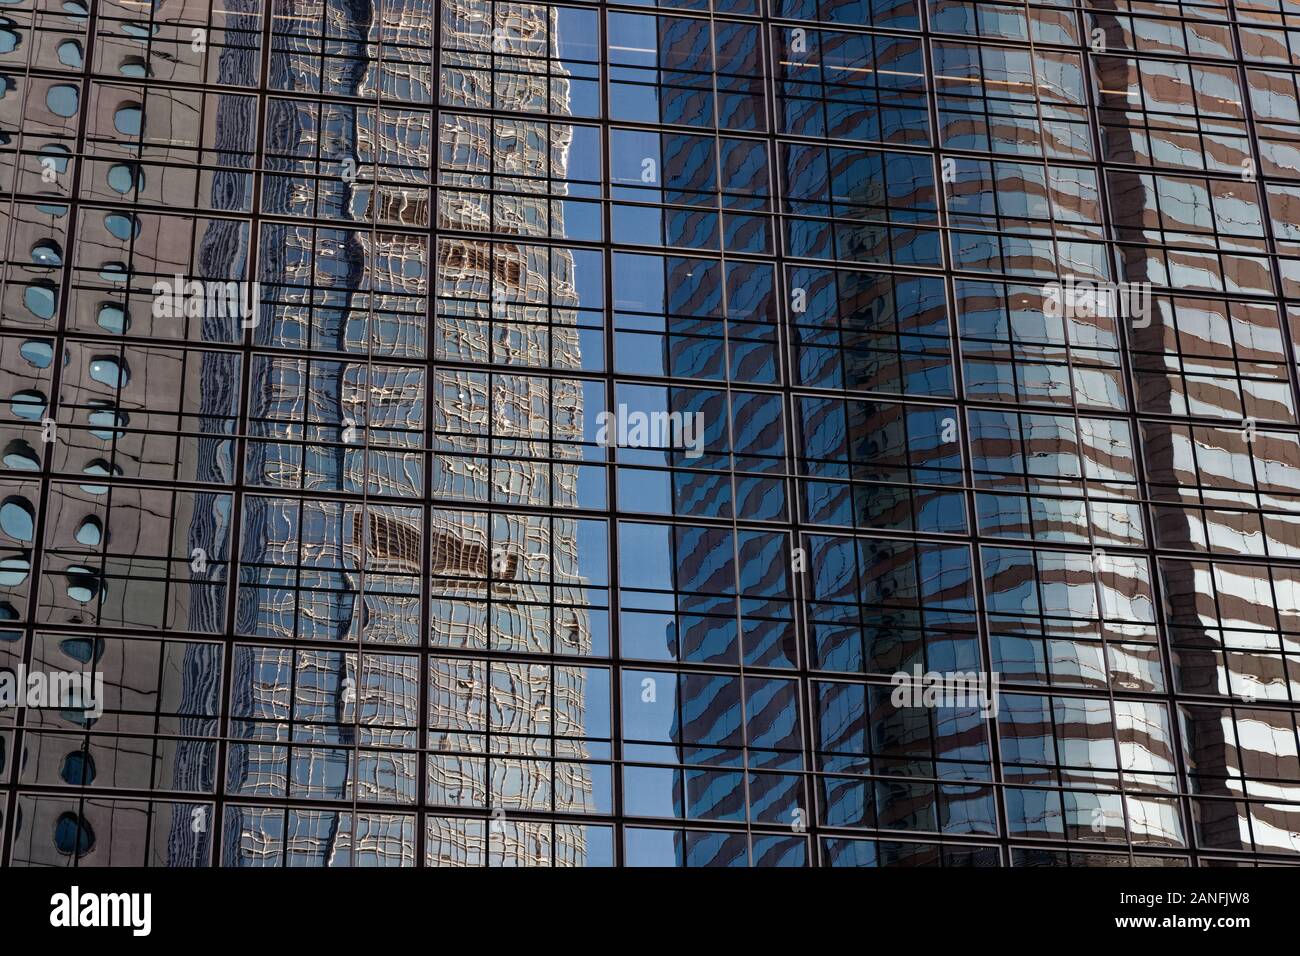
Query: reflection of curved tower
(328, 538)
(379, 546)
(532, 321)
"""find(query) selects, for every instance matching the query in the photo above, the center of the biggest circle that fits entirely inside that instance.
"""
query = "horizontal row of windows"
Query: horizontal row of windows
(1175, 102)
(103, 831)
(304, 562)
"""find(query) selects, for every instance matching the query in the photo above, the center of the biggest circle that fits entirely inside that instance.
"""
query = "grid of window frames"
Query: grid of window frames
(493, 433)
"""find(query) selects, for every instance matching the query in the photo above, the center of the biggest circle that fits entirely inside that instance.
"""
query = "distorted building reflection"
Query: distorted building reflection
(366, 579)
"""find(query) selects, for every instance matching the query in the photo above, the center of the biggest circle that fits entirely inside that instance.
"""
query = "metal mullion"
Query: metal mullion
(372, 282)
(786, 332)
(239, 448)
(424, 646)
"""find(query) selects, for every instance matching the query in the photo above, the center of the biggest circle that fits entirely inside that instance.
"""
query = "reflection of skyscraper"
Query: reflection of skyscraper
(345, 290)
(362, 579)
(525, 292)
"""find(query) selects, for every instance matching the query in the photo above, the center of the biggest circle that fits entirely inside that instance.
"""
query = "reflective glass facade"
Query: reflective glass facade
(314, 319)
